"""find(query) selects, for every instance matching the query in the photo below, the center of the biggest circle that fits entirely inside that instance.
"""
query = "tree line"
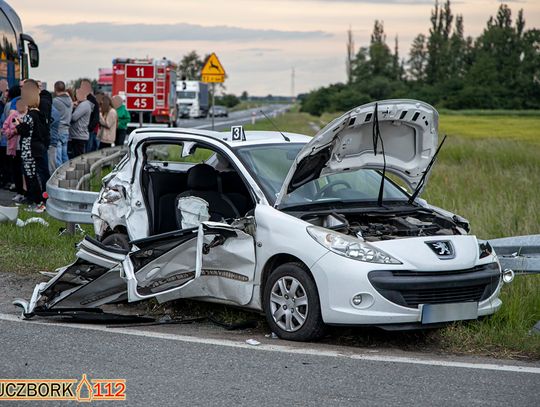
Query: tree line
(500, 69)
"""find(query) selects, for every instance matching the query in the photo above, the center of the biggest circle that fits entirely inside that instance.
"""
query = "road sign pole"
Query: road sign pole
(140, 119)
(213, 102)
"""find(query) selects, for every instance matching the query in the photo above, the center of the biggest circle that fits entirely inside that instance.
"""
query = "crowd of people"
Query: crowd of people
(39, 131)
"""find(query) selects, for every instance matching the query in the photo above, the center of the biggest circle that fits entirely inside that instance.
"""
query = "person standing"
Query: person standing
(123, 120)
(63, 103)
(54, 143)
(45, 116)
(28, 127)
(108, 120)
(13, 147)
(93, 123)
(78, 131)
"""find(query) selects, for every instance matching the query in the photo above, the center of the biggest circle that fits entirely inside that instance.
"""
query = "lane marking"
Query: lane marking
(280, 348)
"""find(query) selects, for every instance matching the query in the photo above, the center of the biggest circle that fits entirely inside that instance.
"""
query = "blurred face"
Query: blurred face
(30, 95)
(21, 107)
(80, 94)
(86, 87)
(117, 102)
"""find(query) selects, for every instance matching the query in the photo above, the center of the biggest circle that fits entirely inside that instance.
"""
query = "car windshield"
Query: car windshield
(269, 164)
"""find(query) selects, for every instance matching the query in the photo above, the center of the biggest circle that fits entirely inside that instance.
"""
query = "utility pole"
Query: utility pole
(293, 95)
(213, 102)
(350, 54)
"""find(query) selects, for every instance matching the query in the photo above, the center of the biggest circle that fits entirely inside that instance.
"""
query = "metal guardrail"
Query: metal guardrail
(519, 253)
(68, 188)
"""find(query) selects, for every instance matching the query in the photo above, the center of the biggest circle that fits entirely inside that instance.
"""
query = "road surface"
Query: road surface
(235, 118)
(165, 367)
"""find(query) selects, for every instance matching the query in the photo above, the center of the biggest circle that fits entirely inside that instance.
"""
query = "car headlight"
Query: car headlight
(349, 246)
(484, 249)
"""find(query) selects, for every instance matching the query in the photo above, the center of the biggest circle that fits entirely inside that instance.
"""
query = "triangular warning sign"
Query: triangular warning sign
(213, 66)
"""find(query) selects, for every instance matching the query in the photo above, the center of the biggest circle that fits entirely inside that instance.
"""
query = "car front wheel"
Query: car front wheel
(291, 304)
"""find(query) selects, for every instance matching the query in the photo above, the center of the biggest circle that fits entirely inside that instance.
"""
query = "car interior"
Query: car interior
(214, 179)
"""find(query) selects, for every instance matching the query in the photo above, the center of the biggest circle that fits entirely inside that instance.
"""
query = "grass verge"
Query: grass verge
(36, 247)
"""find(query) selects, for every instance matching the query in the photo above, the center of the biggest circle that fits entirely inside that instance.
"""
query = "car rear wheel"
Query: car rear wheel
(291, 304)
(118, 240)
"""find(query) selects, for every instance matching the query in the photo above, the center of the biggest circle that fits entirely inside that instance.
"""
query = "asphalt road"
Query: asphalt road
(172, 370)
(235, 118)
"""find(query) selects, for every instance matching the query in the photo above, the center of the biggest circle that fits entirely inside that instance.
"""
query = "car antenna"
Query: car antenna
(376, 137)
(276, 127)
(426, 172)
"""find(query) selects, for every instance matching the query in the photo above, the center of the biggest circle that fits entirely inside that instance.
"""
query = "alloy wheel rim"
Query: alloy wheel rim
(289, 304)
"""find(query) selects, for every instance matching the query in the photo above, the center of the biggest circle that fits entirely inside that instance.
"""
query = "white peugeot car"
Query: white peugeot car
(308, 230)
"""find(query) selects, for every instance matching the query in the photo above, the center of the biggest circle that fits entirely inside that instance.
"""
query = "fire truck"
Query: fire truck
(105, 80)
(163, 92)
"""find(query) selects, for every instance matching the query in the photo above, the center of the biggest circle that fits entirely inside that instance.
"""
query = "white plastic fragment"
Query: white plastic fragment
(20, 223)
(8, 213)
(253, 342)
(272, 335)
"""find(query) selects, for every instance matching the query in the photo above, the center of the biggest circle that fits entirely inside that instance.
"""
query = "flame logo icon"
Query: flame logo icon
(84, 387)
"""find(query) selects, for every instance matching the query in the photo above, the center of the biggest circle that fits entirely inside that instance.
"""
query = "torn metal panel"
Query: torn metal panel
(218, 262)
(227, 270)
(93, 280)
(94, 252)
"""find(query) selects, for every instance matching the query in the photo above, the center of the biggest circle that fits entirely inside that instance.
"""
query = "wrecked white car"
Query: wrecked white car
(309, 231)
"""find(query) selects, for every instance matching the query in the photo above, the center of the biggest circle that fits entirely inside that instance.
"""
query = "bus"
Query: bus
(14, 59)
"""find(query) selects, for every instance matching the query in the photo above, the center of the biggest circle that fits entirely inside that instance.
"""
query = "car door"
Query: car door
(215, 260)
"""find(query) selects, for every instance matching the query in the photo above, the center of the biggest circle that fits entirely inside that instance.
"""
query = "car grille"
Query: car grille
(411, 289)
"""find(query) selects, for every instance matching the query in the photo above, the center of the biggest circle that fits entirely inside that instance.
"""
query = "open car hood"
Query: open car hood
(409, 132)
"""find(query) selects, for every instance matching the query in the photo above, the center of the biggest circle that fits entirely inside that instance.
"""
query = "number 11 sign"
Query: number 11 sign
(139, 87)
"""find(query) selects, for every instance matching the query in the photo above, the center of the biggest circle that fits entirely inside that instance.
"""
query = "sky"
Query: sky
(258, 42)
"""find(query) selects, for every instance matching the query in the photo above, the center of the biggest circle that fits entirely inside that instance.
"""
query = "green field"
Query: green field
(488, 171)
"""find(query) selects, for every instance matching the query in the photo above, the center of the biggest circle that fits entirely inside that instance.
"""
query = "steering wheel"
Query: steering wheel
(331, 186)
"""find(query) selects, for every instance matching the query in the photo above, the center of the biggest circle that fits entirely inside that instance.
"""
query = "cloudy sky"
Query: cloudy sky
(257, 41)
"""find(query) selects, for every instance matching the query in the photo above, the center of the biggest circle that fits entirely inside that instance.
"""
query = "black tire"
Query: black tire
(118, 240)
(313, 326)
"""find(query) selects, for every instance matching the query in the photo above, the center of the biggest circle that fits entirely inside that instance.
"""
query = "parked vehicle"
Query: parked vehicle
(183, 112)
(14, 59)
(105, 80)
(309, 231)
(218, 111)
(194, 95)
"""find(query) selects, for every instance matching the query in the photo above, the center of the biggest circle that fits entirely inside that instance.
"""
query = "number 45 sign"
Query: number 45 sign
(140, 103)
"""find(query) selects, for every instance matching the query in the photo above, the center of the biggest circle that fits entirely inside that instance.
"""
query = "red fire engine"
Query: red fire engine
(154, 94)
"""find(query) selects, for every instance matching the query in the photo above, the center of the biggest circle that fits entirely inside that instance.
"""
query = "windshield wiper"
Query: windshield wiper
(426, 172)
(376, 137)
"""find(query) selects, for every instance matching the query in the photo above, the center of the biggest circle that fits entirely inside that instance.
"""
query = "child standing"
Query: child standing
(13, 152)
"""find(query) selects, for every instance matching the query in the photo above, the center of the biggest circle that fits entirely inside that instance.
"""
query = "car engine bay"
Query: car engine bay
(386, 225)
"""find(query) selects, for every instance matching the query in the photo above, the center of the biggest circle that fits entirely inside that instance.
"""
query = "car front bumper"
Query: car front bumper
(399, 296)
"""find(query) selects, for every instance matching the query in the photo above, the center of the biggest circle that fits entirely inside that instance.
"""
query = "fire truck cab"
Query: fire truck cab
(165, 109)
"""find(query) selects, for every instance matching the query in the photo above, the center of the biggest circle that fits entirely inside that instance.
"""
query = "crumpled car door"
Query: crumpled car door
(94, 279)
(215, 260)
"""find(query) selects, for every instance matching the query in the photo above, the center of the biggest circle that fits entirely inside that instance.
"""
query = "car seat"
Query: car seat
(202, 182)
